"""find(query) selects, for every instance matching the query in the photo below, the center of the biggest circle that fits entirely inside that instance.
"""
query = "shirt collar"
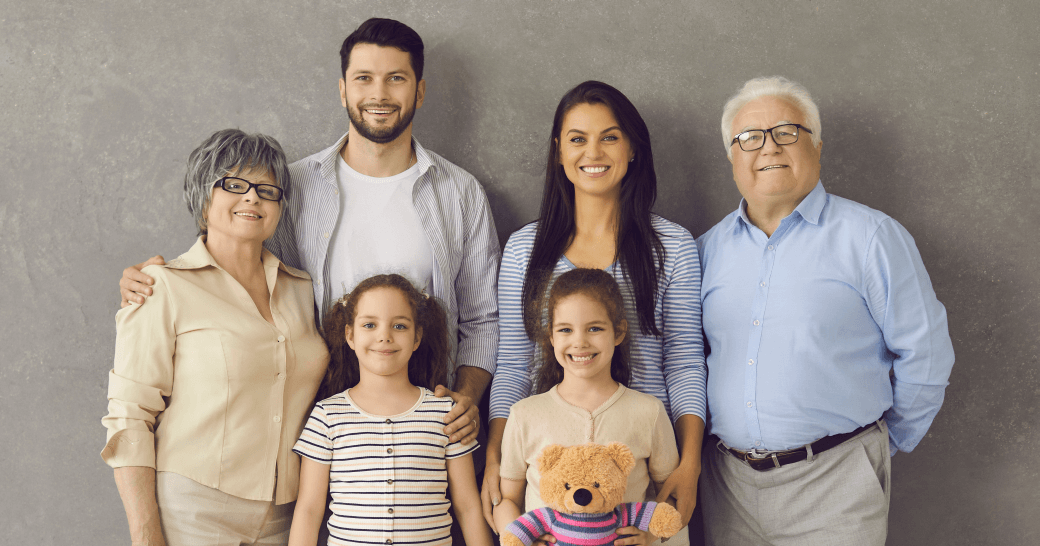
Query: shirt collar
(329, 158)
(810, 208)
(198, 257)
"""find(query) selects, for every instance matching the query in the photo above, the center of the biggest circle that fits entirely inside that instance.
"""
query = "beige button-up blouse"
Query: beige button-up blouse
(205, 387)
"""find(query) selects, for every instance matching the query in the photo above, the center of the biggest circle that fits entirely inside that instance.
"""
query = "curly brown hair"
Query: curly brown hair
(601, 287)
(428, 365)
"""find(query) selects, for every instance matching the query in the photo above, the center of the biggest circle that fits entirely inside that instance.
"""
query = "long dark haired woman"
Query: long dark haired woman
(600, 186)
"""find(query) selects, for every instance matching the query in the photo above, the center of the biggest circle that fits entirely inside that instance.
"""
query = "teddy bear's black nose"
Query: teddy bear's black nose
(583, 497)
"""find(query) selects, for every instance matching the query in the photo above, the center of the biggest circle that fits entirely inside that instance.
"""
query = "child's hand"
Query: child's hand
(636, 538)
(545, 540)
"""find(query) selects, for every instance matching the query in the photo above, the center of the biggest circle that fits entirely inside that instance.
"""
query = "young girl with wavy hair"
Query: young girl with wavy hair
(377, 441)
(584, 398)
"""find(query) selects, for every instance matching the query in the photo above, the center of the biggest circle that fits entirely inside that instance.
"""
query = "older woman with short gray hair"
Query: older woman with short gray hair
(215, 374)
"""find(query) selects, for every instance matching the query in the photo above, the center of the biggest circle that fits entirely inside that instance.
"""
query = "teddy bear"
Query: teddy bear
(582, 487)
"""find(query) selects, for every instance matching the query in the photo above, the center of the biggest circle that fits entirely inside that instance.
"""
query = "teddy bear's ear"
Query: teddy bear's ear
(549, 457)
(622, 456)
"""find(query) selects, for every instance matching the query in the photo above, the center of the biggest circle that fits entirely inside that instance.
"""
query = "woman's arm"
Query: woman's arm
(512, 381)
(490, 494)
(465, 501)
(684, 368)
(511, 506)
(310, 505)
(140, 381)
(136, 486)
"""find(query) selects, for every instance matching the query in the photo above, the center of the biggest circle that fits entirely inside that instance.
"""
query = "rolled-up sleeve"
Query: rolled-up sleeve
(475, 286)
(913, 322)
(685, 372)
(141, 378)
(512, 381)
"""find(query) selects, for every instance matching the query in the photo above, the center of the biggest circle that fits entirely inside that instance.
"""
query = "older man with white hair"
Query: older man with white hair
(829, 351)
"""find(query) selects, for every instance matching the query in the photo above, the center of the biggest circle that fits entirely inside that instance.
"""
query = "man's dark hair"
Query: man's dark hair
(384, 33)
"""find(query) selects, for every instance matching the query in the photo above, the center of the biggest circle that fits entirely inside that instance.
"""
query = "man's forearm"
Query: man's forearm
(471, 381)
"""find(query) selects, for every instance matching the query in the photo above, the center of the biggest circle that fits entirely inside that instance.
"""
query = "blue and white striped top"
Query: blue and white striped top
(388, 475)
(670, 367)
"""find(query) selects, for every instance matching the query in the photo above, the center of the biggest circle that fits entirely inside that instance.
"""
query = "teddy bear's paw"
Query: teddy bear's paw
(509, 539)
(666, 521)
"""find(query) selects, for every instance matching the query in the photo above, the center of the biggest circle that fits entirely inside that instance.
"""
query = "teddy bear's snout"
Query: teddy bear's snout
(582, 497)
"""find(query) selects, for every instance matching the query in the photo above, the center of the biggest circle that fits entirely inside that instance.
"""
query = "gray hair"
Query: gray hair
(225, 153)
(775, 86)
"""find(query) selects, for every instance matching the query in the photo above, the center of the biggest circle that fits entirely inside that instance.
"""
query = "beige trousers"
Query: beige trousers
(840, 498)
(195, 515)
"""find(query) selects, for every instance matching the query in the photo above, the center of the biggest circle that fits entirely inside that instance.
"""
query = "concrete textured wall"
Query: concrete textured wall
(929, 108)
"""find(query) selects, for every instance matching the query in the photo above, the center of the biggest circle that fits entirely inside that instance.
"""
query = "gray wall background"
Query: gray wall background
(929, 110)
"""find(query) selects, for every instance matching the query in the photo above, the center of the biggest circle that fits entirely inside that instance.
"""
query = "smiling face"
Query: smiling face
(380, 92)
(244, 217)
(583, 338)
(594, 152)
(383, 334)
(774, 175)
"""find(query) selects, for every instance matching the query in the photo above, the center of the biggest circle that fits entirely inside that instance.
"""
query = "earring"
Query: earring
(631, 160)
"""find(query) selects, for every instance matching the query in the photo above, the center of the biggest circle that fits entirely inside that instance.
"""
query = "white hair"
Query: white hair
(775, 86)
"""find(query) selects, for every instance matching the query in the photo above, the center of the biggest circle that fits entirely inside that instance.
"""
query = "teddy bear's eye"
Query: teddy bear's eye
(595, 484)
(567, 486)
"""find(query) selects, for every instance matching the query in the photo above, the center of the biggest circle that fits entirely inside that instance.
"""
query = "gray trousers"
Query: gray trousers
(192, 514)
(839, 498)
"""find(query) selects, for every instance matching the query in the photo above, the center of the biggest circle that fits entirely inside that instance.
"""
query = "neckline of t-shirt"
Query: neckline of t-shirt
(410, 172)
(423, 393)
(554, 392)
(567, 261)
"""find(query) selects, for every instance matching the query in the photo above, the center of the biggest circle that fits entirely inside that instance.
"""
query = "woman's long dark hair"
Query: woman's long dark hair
(428, 365)
(601, 287)
(639, 248)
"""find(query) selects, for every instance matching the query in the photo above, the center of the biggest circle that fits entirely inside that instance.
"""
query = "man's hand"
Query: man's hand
(463, 421)
(682, 487)
(135, 286)
(636, 538)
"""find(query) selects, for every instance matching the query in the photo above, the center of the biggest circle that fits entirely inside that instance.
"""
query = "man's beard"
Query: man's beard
(380, 135)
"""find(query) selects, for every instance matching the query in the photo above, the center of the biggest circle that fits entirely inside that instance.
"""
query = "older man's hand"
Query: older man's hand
(134, 286)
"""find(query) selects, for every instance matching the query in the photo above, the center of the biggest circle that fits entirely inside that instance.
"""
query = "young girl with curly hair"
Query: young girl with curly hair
(377, 441)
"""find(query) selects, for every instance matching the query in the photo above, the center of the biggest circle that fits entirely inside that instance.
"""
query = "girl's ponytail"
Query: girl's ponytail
(428, 366)
(343, 371)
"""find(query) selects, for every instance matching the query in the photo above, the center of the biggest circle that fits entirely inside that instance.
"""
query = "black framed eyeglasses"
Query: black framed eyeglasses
(754, 139)
(233, 184)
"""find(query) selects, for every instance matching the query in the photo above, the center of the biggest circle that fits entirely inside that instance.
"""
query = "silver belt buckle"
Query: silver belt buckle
(754, 454)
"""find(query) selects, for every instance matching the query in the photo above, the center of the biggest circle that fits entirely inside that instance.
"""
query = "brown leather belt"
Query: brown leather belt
(780, 458)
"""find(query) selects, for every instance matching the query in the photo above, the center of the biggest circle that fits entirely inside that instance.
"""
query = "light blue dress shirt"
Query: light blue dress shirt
(827, 325)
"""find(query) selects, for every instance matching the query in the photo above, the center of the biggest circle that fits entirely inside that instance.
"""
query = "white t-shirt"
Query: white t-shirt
(378, 231)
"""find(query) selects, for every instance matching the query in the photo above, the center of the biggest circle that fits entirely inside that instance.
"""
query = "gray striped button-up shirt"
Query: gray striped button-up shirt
(457, 219)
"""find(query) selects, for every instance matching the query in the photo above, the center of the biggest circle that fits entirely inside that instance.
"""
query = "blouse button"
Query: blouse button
(389, 481)
(388, 541)
(388, 421)
(389, 450)
(390, 511)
